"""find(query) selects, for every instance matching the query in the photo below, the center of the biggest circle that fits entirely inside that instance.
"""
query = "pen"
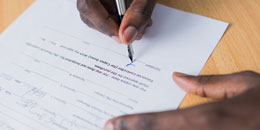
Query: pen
(121, 11)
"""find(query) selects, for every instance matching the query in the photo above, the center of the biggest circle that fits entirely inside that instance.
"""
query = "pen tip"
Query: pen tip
(131, 58)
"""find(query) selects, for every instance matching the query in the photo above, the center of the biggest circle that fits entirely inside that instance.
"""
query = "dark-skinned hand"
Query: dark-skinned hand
(102, 15)
(237, 108)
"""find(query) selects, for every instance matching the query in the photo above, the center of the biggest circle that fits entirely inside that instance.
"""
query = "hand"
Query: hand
(239, 111)
(102, 15)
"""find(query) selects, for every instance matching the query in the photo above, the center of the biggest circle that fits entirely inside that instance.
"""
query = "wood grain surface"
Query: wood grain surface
(238, 50)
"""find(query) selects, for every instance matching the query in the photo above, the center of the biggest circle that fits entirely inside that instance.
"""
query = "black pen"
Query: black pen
(121, 8)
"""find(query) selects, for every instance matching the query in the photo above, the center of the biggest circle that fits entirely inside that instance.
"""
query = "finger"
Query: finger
(149, 121)
(110, 6)
(91, 25)
(217, 86)
(86, 21)
(136, 19)
(150, 23)
(95, 12)
(140, 35)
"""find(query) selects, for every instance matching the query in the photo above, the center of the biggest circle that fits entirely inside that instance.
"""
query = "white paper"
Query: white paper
(58, 74)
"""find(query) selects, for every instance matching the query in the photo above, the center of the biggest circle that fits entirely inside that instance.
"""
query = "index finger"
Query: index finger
(147, 121)
(136, 18)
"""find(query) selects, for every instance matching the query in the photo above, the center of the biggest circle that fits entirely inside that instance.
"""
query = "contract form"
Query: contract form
(58, 74)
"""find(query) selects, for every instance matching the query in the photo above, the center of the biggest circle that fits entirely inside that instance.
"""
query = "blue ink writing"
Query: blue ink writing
(131, 64)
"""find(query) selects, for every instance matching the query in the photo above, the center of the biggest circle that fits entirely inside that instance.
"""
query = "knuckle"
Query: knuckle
(145, 122)
(204, 79)
(137, 122)
(248, 78)
(105, 26)
(141, 4)
(120, 123)
(89, 24)
(141, 12)
(86, 21)
(81, 4)
(249, 73)
(85, 6)
(102, 23)
(144, 8)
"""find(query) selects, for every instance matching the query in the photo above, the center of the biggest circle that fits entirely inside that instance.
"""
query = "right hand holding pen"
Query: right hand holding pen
(102, 15)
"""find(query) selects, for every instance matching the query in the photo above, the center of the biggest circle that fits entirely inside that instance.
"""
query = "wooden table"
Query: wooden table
(238, 50)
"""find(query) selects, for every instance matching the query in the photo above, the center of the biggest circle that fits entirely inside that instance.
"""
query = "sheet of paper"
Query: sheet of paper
(58, 74)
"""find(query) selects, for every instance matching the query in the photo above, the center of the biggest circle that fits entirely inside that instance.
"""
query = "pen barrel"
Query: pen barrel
(130, 50)
(120, 17)
(121, 8)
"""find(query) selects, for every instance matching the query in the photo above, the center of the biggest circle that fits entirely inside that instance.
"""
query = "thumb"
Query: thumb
(136, 18)
(217, 86)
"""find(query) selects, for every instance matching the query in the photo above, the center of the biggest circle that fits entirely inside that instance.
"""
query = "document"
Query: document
(58, 74)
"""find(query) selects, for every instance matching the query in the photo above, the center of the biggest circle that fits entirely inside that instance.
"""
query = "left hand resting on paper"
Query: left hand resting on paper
(237, 107)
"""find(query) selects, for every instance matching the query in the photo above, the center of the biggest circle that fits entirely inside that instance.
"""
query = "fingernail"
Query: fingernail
(130, 34)
(117, 39)
(109, 126)
(178, 74)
